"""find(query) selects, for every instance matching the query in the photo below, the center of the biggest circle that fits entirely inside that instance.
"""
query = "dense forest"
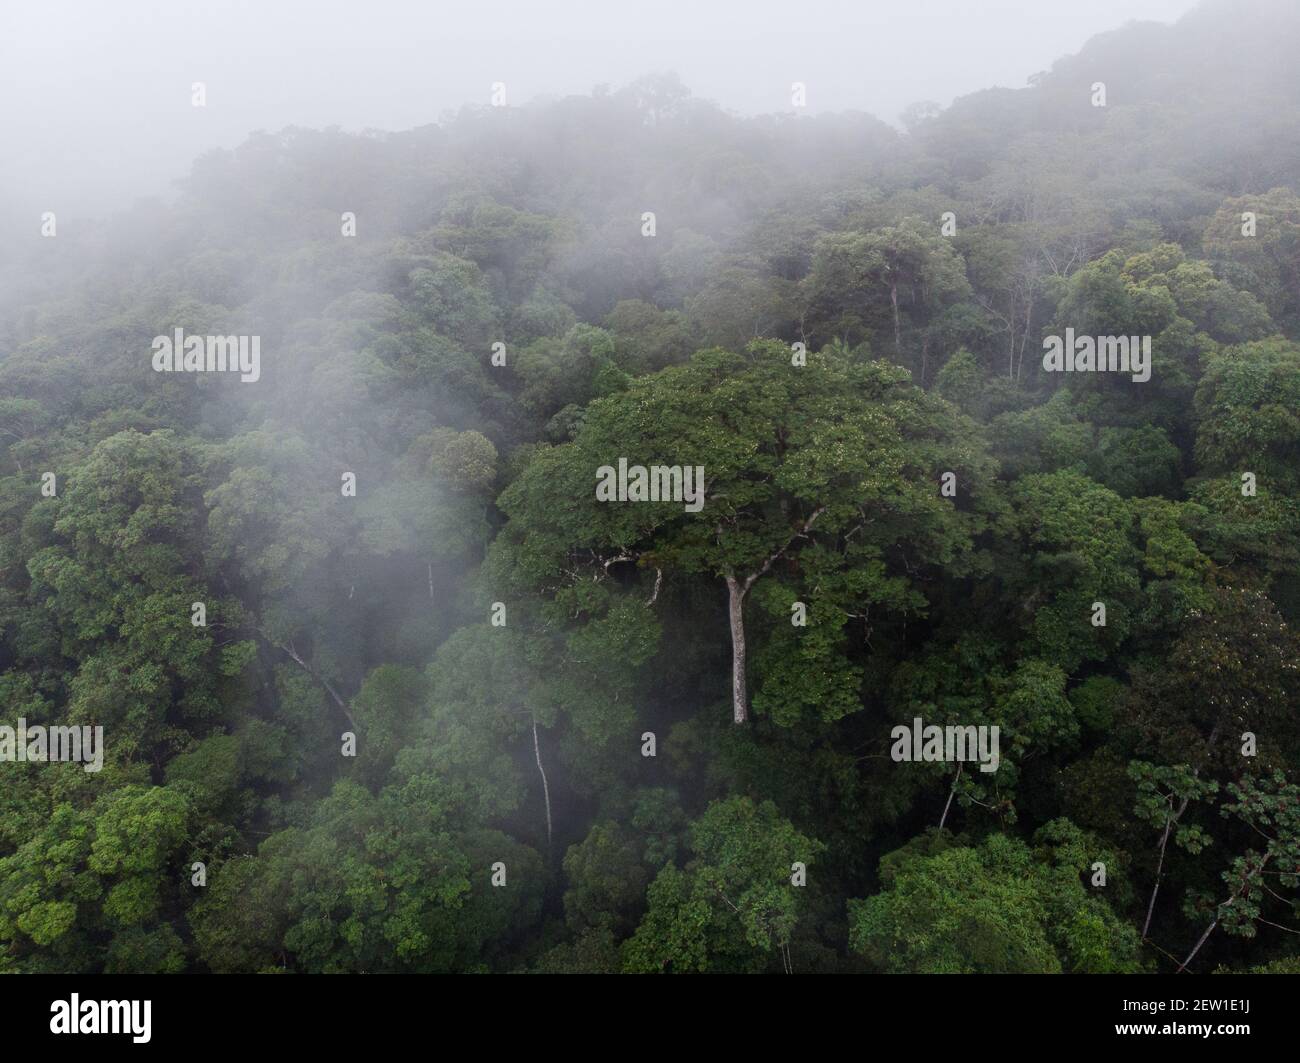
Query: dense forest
(386, 684)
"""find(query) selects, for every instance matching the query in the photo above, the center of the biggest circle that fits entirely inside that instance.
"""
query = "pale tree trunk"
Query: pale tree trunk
(1228, 904)
(1011, 331)
(1170, 822)
(1024, 338)
(898, 334)
(288, 648)
(1208, 931)
(952, 790)
(735, 610)
(546, 790)
(736, 591)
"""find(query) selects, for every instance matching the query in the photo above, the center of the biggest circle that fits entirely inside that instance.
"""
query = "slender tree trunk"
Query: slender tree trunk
(952, 790)
(1155, 889)
(1024, 338)
(1170, 823)
(546, 790)
(322, 681)
(1191, 955)
(430, 581)
(898, 335)
(736, 591)
(735, 609)
(1011, 331)
(1173, 818)
(1228, 904)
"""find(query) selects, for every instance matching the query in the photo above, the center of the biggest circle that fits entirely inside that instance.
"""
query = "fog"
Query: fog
(667, 489)
(95, 98)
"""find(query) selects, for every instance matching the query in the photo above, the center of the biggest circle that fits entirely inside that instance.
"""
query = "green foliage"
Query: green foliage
(904, 515)
(999, 907)
(734, 902)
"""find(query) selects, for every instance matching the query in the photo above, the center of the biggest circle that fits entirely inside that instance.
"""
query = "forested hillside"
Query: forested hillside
(386, 685)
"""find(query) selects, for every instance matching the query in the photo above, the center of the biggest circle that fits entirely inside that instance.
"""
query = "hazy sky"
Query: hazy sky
(95, 94)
